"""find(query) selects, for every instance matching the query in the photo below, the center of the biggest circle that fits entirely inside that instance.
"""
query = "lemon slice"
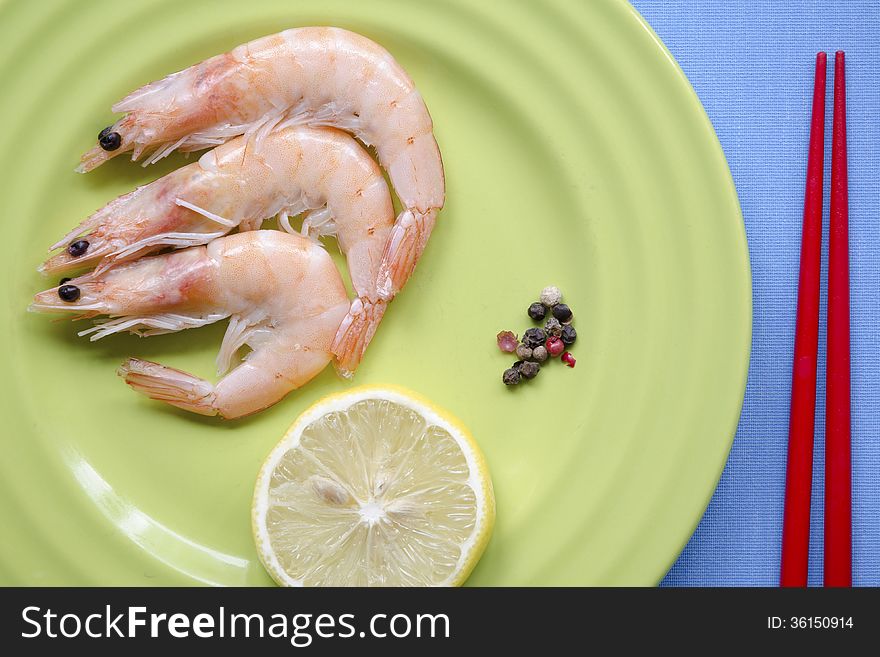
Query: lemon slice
(373, 487)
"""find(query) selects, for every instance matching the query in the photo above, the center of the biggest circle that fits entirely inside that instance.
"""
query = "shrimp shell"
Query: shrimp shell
(282, 293)
(321, 172)
(320, 76)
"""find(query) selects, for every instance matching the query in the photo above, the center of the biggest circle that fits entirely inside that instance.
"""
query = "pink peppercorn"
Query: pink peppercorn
(507, 342)
(555, 346)
(568, 359)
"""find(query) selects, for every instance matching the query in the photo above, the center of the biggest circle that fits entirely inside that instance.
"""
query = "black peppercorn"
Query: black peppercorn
(529, 369)
(534, 337)
(109, 140)
(68, 293)
(562, 312)
(537, 311)
(511, 377)
(78, 248)
(569, 335)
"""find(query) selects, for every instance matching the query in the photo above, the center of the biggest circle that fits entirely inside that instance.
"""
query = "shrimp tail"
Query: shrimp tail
(354, 334)
(169, 385)
(403, 250)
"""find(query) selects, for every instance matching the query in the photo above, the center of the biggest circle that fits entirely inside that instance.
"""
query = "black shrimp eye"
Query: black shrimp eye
(64, 280)
(108, 140)
(68, 293)
(78, 248)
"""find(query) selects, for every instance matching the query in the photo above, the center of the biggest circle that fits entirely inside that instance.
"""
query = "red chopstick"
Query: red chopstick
(838, 465)
(799, 472)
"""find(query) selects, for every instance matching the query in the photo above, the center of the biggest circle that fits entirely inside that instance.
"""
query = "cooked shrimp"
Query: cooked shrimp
(282, 293)
(312, 75)
(319, 171)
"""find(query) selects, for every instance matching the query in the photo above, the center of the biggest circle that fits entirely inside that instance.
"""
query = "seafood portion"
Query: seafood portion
(282, 293)
(320, 76)
(321, 172)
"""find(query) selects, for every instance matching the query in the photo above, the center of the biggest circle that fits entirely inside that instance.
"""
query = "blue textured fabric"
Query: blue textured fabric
(751, 63)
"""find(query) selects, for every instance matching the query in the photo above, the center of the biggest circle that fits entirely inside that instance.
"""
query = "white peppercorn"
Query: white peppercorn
(550, 296)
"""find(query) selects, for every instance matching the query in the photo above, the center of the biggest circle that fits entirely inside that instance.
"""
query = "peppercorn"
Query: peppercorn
(529, 369)
(568, 359)
(555, 346)
(68, 293)
(108, 140)
(537, 311)
(550, 296)
(534, 337)
(553, 327)
(568, 335)
(523, 352)
(507, 341)
(511, 376)
(76, 249)
(562, 313)
(539, 353)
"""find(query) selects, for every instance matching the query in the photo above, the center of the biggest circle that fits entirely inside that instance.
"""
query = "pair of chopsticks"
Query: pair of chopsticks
(799, 473)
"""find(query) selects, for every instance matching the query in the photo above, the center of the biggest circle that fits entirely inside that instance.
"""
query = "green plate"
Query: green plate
(576, 154)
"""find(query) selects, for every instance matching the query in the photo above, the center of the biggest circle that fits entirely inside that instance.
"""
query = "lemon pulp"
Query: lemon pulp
(373, 487)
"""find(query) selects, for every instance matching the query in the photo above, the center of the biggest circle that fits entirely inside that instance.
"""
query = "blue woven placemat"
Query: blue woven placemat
(751, 63)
